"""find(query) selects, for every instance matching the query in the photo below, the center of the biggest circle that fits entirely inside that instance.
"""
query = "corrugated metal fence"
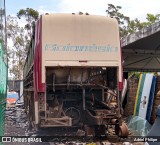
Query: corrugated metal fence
(3, 87)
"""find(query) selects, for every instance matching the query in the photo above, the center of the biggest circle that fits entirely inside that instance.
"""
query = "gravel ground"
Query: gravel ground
(16, 124)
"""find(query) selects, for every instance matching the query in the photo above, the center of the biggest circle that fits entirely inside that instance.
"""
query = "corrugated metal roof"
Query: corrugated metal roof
(141, 50)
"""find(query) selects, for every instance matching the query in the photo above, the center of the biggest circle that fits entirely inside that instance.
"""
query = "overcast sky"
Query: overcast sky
(132, 8)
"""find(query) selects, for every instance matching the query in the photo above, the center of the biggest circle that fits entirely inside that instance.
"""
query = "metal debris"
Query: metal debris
(16, 124)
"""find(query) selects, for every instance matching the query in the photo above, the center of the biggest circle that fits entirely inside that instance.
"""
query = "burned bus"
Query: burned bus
(73, 73)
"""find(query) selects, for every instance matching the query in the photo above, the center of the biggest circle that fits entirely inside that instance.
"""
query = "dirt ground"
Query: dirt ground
(16, 124)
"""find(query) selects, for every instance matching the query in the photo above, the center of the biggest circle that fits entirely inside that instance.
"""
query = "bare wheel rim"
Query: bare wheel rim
(74, 114)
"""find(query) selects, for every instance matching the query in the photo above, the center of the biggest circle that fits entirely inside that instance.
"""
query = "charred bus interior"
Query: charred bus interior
(81, 95)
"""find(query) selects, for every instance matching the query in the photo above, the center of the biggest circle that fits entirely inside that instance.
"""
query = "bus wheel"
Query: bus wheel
(123, 130)
(74, 114)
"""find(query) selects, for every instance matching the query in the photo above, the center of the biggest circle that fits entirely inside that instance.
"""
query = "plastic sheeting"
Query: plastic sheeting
(154, 132)
(138, 126)
(3, 88)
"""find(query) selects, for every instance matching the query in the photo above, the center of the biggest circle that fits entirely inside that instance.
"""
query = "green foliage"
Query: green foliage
(29, 13)
(1, 41)
(126, 25)
(114, 12)
(135, 74)
(30, 16)
(20, 37)
(17, 53)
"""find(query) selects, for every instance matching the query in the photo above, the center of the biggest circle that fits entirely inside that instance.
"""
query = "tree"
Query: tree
(31, 16)
(151, 19)
(126, 25)
(20, 37)
(17, 53)
(114, 12)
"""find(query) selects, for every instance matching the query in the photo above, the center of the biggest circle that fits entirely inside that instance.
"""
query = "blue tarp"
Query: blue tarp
(13, 95)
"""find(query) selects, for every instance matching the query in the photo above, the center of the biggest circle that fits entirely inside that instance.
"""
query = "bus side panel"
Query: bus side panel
(39, 87)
